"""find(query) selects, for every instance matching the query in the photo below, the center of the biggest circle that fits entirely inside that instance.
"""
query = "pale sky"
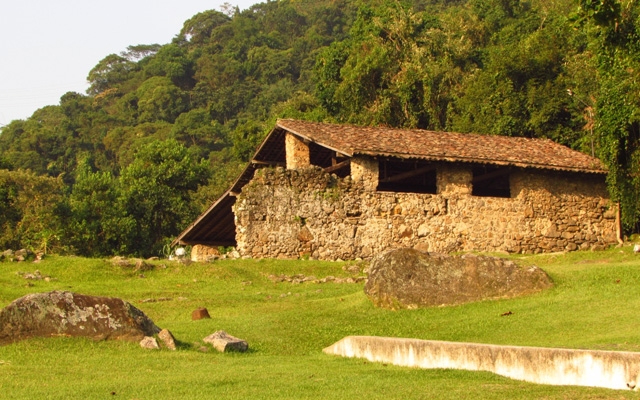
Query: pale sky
(47, 48)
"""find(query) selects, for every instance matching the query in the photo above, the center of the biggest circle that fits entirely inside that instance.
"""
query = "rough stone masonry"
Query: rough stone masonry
(292, 213)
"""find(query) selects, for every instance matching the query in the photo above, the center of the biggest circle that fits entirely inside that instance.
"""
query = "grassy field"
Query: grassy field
(592, 306)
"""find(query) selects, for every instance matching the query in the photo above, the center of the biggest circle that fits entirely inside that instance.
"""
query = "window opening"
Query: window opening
(332, 161)
(411, 176)
(491, 181)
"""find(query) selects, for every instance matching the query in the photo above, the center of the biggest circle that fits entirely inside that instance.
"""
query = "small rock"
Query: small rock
(152, 300)
(142, 265)
(136, 264)
(200, 313)
(167, 339)
(149, 342)
(224, 342)
(352, 269)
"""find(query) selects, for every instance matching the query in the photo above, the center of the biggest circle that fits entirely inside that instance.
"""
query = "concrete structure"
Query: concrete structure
(607, 369)
(344, 192)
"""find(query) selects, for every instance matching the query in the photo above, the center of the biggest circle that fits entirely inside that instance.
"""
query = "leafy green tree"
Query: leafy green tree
(521, 88)
(397, 68)
(160, 100)
(111, 72)
(98, 225)
(32, 210)
(197, 129)
(615, 31)
(10, 214)
(246, 138)
(197, 29)
(122, 143)
(140, 51)
(155, 191)
(173, 62)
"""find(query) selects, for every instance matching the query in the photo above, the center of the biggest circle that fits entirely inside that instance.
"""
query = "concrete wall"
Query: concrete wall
(607, 369)
(309, 213)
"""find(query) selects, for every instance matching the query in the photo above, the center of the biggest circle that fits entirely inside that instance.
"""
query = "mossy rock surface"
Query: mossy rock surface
(408, 278)
(62, 313)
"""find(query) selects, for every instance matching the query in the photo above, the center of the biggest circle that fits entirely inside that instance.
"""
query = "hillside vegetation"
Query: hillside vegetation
(592, 306)
(164, 129)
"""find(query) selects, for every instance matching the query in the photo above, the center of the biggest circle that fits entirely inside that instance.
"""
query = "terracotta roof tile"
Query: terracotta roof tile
(444, 146)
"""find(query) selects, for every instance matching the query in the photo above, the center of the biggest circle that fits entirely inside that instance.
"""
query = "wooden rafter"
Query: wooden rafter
(408, 174)
(270, 163)
(491, 175)
(337, 166)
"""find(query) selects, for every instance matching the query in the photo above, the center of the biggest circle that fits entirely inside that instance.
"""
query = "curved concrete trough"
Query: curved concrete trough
(607, 369)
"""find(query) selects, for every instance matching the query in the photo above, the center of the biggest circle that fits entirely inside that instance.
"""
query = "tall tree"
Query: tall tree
(615, 29)
(98, 224)
(155, 191)
(397, 68)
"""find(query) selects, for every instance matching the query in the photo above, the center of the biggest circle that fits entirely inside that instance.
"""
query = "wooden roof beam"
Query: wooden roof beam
(408, 174)
(337, 166)
(491, 175)
(269, 163)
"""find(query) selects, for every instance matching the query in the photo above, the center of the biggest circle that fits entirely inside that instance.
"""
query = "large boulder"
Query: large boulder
(408, 278)
(60, 313)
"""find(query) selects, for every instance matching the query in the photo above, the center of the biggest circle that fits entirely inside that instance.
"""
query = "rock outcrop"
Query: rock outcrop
(61, 313)
(408, 278)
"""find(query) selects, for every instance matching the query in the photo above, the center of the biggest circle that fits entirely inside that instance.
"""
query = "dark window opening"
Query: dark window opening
(329, 160)
(411, 176)
(491, 181)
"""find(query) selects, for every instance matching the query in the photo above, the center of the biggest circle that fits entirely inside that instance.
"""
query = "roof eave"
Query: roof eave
(185, 232)
(480, 161)
(346, 152)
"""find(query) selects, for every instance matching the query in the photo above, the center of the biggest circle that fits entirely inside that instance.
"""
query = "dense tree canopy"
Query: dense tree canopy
(614, 28)
(163, 129)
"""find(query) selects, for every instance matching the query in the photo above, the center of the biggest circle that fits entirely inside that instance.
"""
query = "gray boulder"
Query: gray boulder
(61, 313)
(408, 278)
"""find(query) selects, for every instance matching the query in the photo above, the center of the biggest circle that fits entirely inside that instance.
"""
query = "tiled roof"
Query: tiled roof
(444, 146)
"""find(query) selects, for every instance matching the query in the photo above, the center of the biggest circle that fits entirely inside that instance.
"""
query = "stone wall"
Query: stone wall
(309, 213)
(203, 253)
(297, 152)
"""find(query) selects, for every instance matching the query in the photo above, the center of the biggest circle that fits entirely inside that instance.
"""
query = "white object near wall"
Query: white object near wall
(607, 369)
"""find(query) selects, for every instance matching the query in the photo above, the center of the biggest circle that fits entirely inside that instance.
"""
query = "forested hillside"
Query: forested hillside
(164, 129)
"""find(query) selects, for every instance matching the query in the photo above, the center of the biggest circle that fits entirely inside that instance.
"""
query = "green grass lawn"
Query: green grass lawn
(592, 306)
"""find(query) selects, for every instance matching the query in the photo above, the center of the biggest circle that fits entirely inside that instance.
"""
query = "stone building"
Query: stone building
(331, 192)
